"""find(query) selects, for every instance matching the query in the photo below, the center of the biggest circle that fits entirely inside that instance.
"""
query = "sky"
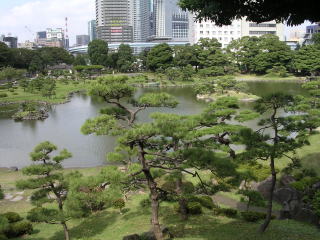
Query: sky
(38, 15)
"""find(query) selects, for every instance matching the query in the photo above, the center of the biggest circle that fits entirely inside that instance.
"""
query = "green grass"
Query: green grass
(239, 95)
(62, 92)
(109, 224)
(309, 155)
(253, 77)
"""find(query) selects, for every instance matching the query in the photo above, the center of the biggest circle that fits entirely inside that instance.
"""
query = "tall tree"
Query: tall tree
(222, 12)
(98, 52)
(306, 60)
(125, 58)
(113, 90)
(278, 137)
(46, 178)
(160, 57)
(212, 61)
(6, 55)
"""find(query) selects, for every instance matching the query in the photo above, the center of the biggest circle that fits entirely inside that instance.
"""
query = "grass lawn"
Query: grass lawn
(253, 77)
(241, 96)
(62, 91)
(309, 155)
(109, 224)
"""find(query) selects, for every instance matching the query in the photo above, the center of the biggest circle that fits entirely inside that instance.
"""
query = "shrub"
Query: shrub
(3, 95)
(3, 237)
(206, 202)
(252, 216)
(1, 194)
(119, 204)
(145, 203)
(12, 217)
(11, 90)
(15, 93)
(194, 208)
(19, 228)
(228, 212)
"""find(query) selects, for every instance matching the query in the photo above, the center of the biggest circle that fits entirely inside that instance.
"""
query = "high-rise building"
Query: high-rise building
(51, 38)
(238, 29)
(92, 32)
(11, 42)
(140, 20)
(114, 20)
(82, 40)
(171, 21)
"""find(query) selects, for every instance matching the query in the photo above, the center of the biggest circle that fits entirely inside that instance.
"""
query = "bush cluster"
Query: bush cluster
(254, 216)
(3, 95)
(228, 212)
(15, 226)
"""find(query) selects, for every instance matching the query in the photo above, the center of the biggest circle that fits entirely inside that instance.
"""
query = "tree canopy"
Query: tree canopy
(222, 12)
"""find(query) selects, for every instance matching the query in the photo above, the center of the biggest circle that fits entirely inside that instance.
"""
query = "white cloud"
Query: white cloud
(41, 14)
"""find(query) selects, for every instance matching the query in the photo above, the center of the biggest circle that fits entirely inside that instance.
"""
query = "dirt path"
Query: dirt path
(220, 199)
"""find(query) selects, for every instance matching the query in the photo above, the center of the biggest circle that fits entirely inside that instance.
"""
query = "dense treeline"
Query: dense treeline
(248, 55)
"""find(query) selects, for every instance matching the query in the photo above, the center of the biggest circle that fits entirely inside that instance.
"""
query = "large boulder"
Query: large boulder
(150, 235)
(263, 187)
(286, 180)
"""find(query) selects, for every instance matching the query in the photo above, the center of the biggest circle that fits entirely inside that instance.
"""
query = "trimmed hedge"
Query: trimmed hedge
(194, 208)
(254, 216)
(12, 217)
(228, 212)
(18, 229)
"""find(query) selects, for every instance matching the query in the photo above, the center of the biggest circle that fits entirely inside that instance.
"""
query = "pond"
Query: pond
(62, 128)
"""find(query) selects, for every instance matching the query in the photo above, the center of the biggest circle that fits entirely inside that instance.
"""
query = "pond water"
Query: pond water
(62, 127)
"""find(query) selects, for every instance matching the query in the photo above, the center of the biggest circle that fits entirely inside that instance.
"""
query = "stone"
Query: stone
(8, 196)
(285, 194)
(131, 237)
(263, 187)
(16, 199)
(286, 180)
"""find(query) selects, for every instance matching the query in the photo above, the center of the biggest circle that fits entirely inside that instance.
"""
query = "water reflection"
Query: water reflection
(17, 139)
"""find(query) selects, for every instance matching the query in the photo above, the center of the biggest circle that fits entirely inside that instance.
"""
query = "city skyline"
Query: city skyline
(38, 15)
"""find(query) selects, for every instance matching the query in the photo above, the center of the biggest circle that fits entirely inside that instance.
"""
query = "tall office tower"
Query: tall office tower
(140, 20)
(170, 20)
(92, 32)
(82, 40)
(114, 22)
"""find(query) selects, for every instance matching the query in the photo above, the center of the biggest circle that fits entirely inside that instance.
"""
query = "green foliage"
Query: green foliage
(98, 52)
(205, 201)
(80, 59)
(228, 212)
(307, 60)
(316, 203)
(157, 100)
(194, 208)
(11, 74)
(18, 229)
(145, 203)
(212, 61)
(119, 204)
(1, 193)
(253, 216)
(3, 95)
(125, 58)
(277, 71)
(223, 12)
(12, 217)
(160, 57)
(252, 197)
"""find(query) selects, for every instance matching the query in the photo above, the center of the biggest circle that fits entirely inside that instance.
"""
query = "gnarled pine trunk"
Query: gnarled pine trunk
(154, 195)
(182, 201)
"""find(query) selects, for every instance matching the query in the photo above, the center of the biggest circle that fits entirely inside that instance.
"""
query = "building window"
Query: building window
(208, 32)
(201, 32)
(261, 32)
(201, 25)
(214, 32)
(262, 25)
